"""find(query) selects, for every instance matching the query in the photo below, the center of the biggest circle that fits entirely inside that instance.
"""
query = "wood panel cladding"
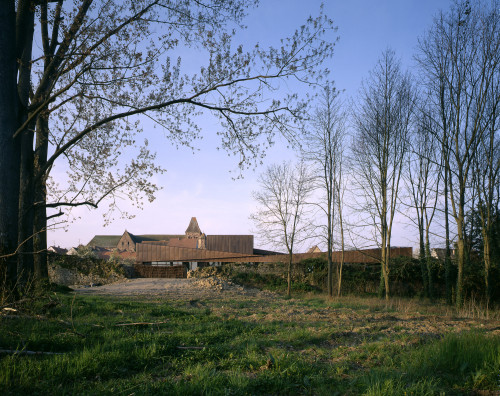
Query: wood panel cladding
(230, 243)
(153, 271)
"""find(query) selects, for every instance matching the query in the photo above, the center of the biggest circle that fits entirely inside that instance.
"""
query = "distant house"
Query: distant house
(73, 251)
(440, 253)
(57, 250)
(314, 249)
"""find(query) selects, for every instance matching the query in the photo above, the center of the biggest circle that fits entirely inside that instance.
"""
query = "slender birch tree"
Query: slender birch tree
(324, 146)
(422, 178)
(382, 120)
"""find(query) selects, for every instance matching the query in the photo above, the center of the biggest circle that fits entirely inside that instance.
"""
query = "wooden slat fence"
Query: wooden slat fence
(154, 271)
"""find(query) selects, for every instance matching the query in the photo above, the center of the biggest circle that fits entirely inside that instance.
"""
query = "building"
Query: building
(193, 238)
(173, 255)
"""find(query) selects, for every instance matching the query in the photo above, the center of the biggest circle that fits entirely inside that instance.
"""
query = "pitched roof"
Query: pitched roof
(57, 250)
(155, 237)
(107, 241)
(314, 249)
(111, 241)
(193, 226)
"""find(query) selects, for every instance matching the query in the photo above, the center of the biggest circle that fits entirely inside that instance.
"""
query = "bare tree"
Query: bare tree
(104, 63)
(324, 146)
(487, 179)
(460, 56)
(282, 214)
(382, 120)
(422, 179)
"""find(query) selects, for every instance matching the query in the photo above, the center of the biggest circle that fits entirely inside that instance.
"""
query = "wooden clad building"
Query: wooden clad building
(195, 249)
(230, 243)
(152, 253)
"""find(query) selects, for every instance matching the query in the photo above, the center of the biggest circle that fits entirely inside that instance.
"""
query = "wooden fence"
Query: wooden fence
(154, 271)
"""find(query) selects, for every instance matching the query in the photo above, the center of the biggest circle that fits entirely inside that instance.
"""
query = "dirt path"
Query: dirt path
(182, 289)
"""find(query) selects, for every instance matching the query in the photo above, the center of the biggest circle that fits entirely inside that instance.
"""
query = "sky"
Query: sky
(202, 184)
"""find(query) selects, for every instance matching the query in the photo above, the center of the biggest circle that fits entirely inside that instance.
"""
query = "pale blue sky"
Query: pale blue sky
(201, 184)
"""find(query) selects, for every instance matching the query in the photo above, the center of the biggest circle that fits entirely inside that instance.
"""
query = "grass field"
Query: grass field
(233, 346)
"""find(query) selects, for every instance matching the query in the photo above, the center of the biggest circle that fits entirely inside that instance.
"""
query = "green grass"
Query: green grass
(240, 347)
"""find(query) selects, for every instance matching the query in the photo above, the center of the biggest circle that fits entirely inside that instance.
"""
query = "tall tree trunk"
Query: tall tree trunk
(329, 254)
(447, 258)
(25, 222)
(341, 264)
(487, 264)
(387, 260)
(289, 276)
(421, 256)
(25, 26)
(385, 264)
(40, 215)
(9, 147)
(428, 260)
(460, 264)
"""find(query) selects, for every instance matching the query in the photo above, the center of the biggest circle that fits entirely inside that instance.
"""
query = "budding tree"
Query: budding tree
(281, 217)
(99, 67)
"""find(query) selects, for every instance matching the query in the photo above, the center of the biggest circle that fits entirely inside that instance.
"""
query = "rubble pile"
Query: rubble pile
(216, 283)
(208, 272)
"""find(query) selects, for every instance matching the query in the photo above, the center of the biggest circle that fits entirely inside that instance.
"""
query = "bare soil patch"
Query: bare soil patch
(181, 289)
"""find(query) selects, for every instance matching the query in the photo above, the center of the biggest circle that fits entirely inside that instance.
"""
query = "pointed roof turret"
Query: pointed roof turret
(193, 227)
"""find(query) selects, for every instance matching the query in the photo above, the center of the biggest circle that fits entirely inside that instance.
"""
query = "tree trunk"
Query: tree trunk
(460, 264)
(384, 280)
(341, 264)
(40, 215)
(329, 255)
(421, 256)
(9, 147)
(447, 258)
(428, 259)
(25, 26)
(330, 275)
(386, 272)
(25, 222)
(487, 264)
(289, 277)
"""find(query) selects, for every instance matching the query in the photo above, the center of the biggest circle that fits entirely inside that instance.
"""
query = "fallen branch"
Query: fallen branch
(193, 347)
(18, 352)
(15, 303)
(22, 316)
(140, 323)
